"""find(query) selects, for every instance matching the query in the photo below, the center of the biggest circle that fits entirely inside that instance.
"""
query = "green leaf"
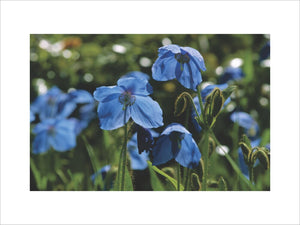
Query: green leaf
(127, 182)
(168, 178)
(155, 182)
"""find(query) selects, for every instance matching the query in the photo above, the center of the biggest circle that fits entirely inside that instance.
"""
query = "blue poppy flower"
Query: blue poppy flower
(59, 134)
(204, 93)
(244, 120)
(136, 146)
(264, 52)
(103, 171)
(231, 73)
(133, 94)
(175, 142)
(53, 104)
(182, 63)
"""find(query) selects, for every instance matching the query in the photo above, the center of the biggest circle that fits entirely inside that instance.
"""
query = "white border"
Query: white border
(278, 18)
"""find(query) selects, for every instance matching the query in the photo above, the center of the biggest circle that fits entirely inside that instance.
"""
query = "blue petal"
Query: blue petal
(106, 93)
(138, 161)
(169, 48)
(41, 143)
(231, 73)
(81, 96)
(32, 116)
(162, 151)
(136, 74)
(111, 114)
(43, 126)
(190, 77)
(164, 68)
(136, 86)
(244, 120)
(64, 138)
(146, 112)
(175, 127)
(196, 57)
(189, 154)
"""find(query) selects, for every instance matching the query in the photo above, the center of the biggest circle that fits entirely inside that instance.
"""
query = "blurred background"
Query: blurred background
(89, 61)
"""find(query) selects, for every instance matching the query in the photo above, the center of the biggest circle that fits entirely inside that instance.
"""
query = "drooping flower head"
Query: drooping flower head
(231, 73)
(204, 93)
(59, 134)
(131, 94)
(175, 142)
(183, 63)
(139, 146)
(244, 120)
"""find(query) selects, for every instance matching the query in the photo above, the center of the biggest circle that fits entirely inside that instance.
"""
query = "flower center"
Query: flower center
(51, 130)
(176, 137)
(182, 58)
(126, 98)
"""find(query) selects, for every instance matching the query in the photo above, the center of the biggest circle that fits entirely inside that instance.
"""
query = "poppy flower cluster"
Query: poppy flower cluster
(56, 127)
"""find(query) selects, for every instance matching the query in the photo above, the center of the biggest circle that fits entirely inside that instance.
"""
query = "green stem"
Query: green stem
(251, 174)
(178, 177)
(205, 161)
(233, 164)
(200, 101)
(123, 156)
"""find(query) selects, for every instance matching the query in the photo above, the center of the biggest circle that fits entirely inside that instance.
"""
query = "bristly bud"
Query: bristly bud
(262, 154)
(228, 91)
(222, 184)
(246, 148)
(181, 103)
(213, 106)
(195, 182)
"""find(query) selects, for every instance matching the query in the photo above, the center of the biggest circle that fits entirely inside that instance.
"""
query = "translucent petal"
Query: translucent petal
(135, 86)
(164, 67)
(196, 57)
(146, 112)
(106, 93)
(189, 154)
(111, 114)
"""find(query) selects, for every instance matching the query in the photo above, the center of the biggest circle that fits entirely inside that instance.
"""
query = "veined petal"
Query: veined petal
(196, 57)
(146, 112)
(164, 68)
(105, 93)
(111, 114)
(162, 151)
(190, 77)
(189, 154)
(135, 86)
(172, 48)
